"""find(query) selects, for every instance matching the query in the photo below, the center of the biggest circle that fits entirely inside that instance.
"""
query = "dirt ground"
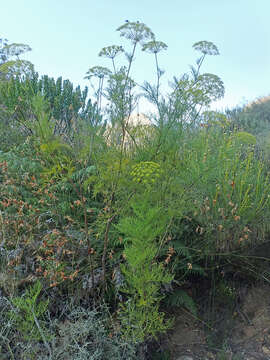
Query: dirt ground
(238, 332)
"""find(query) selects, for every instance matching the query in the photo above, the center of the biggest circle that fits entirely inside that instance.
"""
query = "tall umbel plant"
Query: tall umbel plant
(182, 107)
(116, 86)
(146, 219)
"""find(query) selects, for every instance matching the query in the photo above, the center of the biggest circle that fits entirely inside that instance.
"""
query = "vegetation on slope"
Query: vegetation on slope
(105, 224)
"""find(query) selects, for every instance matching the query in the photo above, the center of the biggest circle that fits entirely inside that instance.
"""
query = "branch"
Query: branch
(42, 334)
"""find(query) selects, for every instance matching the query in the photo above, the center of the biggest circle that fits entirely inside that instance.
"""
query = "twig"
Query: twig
(103, 261)
(79, 193)
(42, 334)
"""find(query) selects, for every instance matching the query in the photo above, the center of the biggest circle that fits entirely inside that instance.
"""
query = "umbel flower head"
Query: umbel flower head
(146, 172)
(135, 31)
(206, 47)
(111, 51)
(98, 71)
(15, 49)
(154, 46)
(211, 86)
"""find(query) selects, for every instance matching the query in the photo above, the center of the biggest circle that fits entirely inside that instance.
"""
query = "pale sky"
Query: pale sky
(66, 37)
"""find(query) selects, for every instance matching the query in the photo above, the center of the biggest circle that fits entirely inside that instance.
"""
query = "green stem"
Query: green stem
(123, 96)
(42, 334)
(114, 68)
(158, 77)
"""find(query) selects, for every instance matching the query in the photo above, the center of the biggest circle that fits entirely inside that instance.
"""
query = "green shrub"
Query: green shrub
(100, 211)
(143, 276)
(230, 196)
(27, 313)
(244, 138)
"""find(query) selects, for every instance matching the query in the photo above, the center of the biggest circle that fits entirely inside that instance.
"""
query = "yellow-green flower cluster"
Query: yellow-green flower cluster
(146, 172)
(244, 138)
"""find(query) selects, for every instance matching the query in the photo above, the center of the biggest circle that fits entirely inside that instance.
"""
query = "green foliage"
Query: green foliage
(231, 192)
(209, 87)
(181, 298)
(189, 95)
(214, 118)
(65, 105)
(10, 67)
(101, 210)
(146, 172)
(143, 275)
(56, 155)
(58, 159)
(42, 128)
(28, 312)
(78, 333)
(244, 138)
(253, 118)
(10, 134)
(31, 208)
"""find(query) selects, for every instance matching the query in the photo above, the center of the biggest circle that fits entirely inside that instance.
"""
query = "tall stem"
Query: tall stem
(130, 61)
(158, 76)
(100, 88)
(104, 255)
(123, 110)
(114, 68)
(89, 252)
(42, 334)
(199, 66)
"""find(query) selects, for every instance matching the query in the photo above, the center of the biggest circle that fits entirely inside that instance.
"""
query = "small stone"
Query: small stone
(209, 356)
(266, 350)
(184, 357)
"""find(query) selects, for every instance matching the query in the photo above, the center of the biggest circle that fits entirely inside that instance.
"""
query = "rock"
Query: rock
(266, 350)
(185, 357)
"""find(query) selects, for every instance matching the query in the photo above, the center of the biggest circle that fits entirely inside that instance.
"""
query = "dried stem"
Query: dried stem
(104, 255)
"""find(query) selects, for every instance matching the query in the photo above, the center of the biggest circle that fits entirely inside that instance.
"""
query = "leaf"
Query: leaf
(181, 298)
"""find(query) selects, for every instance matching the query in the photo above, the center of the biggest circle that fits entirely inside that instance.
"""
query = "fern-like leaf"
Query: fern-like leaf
(181, 298)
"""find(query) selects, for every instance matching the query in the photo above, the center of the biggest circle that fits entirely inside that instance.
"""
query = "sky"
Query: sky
(66, 37)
